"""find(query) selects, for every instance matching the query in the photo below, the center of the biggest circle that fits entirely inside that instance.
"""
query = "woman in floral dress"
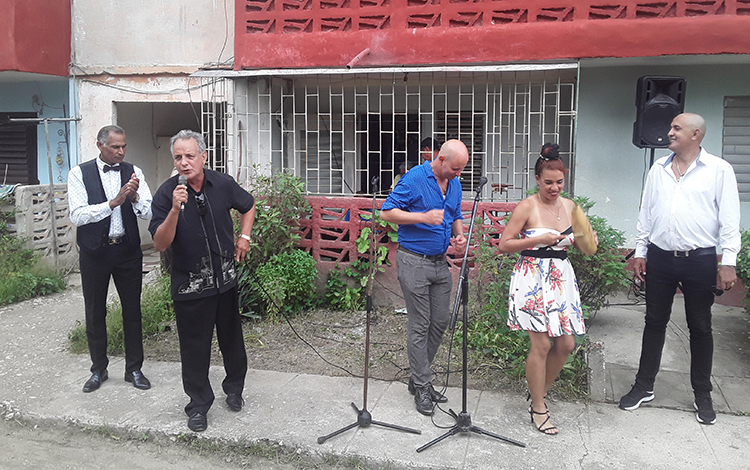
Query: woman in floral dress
(544, 297)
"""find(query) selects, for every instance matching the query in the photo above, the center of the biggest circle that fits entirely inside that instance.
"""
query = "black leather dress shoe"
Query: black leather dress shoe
(138, 380)
(235, 402)
(435, 396)
(423, 401)
(198, 422)
(95, 381)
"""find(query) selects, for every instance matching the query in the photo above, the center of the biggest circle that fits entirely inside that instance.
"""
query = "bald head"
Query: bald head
(454, 149)
(694, 122)
(685, 135)
(451, 160)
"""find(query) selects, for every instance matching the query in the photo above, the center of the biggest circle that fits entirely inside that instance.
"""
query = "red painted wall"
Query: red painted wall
(35, 36)
(329, 33)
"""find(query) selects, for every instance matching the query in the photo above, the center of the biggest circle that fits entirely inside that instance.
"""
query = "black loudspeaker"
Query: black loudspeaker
(658, 100)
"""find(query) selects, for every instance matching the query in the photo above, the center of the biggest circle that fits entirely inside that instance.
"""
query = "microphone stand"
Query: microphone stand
(364, 418)
(463, 419)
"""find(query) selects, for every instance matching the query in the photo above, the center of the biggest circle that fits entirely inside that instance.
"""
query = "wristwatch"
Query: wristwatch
(246, 237)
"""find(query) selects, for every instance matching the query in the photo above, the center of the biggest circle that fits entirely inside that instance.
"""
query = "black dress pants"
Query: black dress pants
(125, 266)
(195, 328)
(697, 276)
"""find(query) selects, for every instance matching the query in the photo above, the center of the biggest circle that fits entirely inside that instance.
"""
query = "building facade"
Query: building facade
(341, 91)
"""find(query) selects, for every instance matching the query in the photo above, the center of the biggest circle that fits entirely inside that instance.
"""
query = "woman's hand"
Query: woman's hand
(548, 239)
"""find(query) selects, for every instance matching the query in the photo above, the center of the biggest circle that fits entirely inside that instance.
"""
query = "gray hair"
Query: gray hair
(103, 136)
(187, 134)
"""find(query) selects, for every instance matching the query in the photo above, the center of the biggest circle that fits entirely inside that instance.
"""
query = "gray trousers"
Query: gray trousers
(426, 286)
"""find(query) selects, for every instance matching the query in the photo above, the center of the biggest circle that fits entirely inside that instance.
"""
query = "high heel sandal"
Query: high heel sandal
(541, 427)
(528, 398)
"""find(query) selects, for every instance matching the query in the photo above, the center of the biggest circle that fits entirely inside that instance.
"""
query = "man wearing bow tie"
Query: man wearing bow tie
(105, 195)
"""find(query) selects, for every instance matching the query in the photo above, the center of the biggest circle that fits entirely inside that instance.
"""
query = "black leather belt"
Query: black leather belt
(419, 255)
(557, 254)
(114, 240)
(687, 254)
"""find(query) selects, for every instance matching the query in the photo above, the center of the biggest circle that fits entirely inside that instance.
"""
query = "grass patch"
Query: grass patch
(157, 309)
(27, 282)
(22, 273)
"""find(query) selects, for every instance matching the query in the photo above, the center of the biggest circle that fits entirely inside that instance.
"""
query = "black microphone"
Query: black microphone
(374, 183)
(183, 181)
(482, 182)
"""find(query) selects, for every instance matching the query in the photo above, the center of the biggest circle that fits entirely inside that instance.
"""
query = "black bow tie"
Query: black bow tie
(111, 168)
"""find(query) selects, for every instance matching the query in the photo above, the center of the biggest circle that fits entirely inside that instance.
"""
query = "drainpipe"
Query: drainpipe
(357, 58)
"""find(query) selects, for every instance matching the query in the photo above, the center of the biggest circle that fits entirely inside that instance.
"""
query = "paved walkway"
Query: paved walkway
(41, 382)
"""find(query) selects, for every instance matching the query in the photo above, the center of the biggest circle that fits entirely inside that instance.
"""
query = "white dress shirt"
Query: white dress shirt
(700, 210)
(81, 213)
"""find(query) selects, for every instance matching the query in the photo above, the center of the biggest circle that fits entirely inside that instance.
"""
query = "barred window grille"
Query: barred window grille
(338, 132)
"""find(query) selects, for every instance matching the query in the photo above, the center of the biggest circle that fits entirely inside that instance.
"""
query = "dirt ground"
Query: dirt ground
(332, 343)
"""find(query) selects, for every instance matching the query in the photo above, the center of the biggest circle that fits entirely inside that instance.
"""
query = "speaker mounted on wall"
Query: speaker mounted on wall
(658, 100)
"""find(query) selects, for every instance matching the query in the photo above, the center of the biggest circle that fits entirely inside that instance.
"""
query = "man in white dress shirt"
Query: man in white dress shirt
(690, 206)
(105, 195)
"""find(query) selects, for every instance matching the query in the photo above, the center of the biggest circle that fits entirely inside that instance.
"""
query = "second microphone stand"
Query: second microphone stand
(364, 418)
(463, 419)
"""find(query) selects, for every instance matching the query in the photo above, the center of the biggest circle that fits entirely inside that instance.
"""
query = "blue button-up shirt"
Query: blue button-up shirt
(418, 191)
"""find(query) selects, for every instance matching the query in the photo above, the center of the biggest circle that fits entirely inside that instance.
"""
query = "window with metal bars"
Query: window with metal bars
(215, 94)
(337, 132)
(736, 140)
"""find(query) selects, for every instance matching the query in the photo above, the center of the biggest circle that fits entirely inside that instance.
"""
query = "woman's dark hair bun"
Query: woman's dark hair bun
(550, 151)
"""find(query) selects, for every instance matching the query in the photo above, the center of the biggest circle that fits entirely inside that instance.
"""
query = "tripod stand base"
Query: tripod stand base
(364, 419)
(463, 424)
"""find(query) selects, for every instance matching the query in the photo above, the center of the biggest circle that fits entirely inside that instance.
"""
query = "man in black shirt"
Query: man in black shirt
(195, 221)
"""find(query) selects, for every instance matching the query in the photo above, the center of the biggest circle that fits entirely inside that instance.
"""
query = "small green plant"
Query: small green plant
(743, 266)
(345, 288)
(157, 309)
(340, 295)
(286, 280)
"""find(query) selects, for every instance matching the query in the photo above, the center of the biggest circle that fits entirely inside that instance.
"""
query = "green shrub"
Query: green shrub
(279, 206)
(602, 273)
(286, 281)
(157, 309)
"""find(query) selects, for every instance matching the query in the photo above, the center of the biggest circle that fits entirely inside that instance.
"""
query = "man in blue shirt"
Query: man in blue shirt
(426, 205)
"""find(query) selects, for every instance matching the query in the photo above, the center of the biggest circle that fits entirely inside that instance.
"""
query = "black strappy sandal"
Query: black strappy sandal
(541, 427)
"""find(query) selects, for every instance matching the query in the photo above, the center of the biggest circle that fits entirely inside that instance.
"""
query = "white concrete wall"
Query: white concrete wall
(609, 169)
(97, 104)
(118, 34)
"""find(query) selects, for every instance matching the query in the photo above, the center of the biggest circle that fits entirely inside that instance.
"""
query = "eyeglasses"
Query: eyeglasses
(200, 199)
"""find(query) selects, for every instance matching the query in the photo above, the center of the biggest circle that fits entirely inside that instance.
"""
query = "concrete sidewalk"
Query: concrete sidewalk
(41, 382)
